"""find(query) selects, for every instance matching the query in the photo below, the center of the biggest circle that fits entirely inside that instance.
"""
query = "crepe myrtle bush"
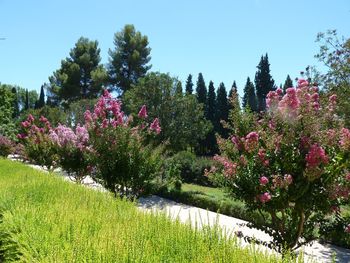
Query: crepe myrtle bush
(295, 164)
(6, 146)
(124, 162)
(38, 146)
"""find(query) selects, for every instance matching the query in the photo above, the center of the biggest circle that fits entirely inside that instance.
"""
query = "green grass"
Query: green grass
(45, 219)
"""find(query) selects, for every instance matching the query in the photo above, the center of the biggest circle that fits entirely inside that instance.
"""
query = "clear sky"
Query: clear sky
(222, 39)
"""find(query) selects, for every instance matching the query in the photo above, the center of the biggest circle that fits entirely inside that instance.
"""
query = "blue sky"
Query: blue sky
(222, 39)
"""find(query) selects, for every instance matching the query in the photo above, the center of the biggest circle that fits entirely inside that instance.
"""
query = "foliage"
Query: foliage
(6, 146)
(293, 165)
(287, 84)
(189, 85)
(249, 96)
(76, 110)
(55, 115)
(125, 164)
(129, 60)
(22, 98)
(222, 109)
(210, 140)
(15, 113)
(181, 117)
(191, 168)
(41, 101)
(333, 230)
(45, 219)
(81, 75)
(263, 82)
(7, 126)
(201, 91)
(335, 55)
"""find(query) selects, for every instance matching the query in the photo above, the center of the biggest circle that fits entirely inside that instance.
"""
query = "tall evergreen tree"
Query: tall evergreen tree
(287, 84)
(249, 96)
(210, 140)
(201, 90)
(26, 105)
(263, 82)
(129, 60)
(81, 75)
(222, 109)
(189, 85)
(41, 102)
(15, 112)
(233, 95)
(211, 103)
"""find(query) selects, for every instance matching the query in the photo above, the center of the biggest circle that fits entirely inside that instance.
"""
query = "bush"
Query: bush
(125, 164)
(191, 167)
(333, 230)
(294, 165)
(6, 146)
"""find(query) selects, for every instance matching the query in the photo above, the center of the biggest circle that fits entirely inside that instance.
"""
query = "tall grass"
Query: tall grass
(45, 219)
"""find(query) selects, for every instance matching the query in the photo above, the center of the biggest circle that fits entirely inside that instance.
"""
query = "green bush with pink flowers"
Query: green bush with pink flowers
(294, 164)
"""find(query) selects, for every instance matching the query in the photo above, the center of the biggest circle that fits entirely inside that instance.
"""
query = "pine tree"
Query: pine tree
(129, 60)
(81, 75)
(249, 96)
(15, 112)
(222, 109)
(211, 103)
(287, 84)
(41, 102)
(201, 91)
(263, 82)
(189, 85)
(26, 105)
(210, 140)
(233, 95)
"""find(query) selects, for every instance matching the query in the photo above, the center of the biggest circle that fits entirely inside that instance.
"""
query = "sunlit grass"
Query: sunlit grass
(45, 219)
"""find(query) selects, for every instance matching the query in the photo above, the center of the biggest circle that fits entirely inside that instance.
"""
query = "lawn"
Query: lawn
(46, 219)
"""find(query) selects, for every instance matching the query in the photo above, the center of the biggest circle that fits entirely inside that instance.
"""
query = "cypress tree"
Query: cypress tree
(210, 140)
(26, 105)
(201, 90)
(263, 82)
(189, 85)
(15, 112)
(41, 102)
(211, 103)
(287, 84)
(233, 96)
(249, 96)
(222, 109)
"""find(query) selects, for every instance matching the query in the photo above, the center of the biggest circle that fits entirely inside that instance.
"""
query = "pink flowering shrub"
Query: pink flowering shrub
(294, 165)
(6, 146)
(38, 146)
(73, 150)
(125, 164)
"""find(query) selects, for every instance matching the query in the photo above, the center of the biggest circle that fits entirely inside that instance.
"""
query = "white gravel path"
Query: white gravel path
(315, 252)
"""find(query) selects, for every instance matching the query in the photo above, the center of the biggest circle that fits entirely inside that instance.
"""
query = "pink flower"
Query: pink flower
(279, 91)
(333, 99)
(347, 177)
(265, 197)
(251, 141)
(347, 229)
(237, 142)
(30, 118)
(264, 180)
(316, 156)
(43, 119)
(344, 138)
(272, 99)
(104, 124)
(25, 124)
(155, 126)
(143, 112)
(302, 83)
(289, 104)
(21, 136)
(262, 157)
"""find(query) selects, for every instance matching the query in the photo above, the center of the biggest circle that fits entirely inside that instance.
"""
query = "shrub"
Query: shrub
(191, 167)
(6, 146)
(73, 150)
(39, 147)
(125, 163)
(294, 165)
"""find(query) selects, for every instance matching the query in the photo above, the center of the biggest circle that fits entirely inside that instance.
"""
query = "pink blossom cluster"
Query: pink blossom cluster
(263, 180)
(32, 129)
(339, 191)
(237, 142)
(273, 98)
(345, 138)
(230, 168)
(155, 126)
(289, 104)
(263, 158)
(316, 156)
(347, 229)
(143, 112)
(251, 141)
(65, 136)
(265, 197)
